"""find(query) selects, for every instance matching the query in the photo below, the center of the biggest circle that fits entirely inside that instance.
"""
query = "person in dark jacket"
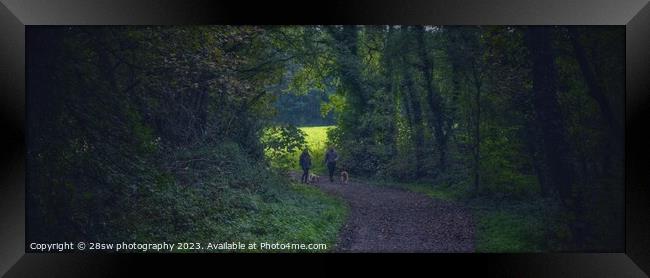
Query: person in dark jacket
(305, 164)
(330, 160)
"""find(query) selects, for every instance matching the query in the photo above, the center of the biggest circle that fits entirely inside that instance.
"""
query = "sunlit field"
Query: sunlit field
(316, 137)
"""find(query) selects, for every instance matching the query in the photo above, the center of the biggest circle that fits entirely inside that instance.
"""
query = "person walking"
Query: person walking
(305, 164)
(330, 160)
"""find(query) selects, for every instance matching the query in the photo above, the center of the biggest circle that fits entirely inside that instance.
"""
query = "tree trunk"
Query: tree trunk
(477, 130)
(550, 121)
(456, 78)
(596, 92)
(416, 122)
(595, 89)
(389, 86)
(548, 115)
(433, 98)
(349, 69)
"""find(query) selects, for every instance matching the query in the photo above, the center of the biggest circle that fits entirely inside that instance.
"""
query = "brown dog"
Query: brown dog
(344, 177)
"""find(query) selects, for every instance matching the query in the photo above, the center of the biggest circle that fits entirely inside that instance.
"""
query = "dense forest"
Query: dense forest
(158, 133)
(301, 107)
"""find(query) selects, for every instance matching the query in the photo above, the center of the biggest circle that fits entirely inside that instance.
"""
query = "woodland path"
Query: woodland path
(383, 219)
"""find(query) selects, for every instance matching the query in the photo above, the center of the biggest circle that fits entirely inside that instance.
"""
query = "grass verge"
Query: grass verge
(307, 215)
(230, 198)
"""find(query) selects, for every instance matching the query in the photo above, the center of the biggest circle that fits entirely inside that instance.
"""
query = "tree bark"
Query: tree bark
(389, 86)
(596, 92)
(416, 121)
(433, 98)
(550, 121)
(548, 115)
(349, 70)
(477, 130)
(595, 89)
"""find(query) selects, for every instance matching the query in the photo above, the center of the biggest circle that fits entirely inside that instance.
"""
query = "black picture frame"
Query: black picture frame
(634, 15)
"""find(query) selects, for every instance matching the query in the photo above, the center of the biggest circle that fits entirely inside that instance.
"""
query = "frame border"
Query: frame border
(635, 15)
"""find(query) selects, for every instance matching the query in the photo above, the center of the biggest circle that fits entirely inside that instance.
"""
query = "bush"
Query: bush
(281, 143)
(206, 193)
(314, 139)
(239, 200)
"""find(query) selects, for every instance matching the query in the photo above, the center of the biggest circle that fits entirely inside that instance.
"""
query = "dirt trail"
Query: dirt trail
(385, 219)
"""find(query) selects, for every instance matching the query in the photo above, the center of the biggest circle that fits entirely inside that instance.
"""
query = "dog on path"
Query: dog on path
(314, 178)
(344, 177)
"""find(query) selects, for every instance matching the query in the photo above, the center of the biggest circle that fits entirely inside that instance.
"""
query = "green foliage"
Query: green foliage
(336, 103)
(281, 143)
(303, 110)
(504, 232)
(153, 134)
(223, 196)
(501, 164)
(314, 140)
(525, 225)
(173, 132)
(317, 143)
(305, 215)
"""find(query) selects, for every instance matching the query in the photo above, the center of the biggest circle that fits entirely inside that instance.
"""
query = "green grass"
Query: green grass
(513, 226)
(304, 215)
(316, 135)
(238, 200)
(503, 231)
(289, 213)
(285, 212)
